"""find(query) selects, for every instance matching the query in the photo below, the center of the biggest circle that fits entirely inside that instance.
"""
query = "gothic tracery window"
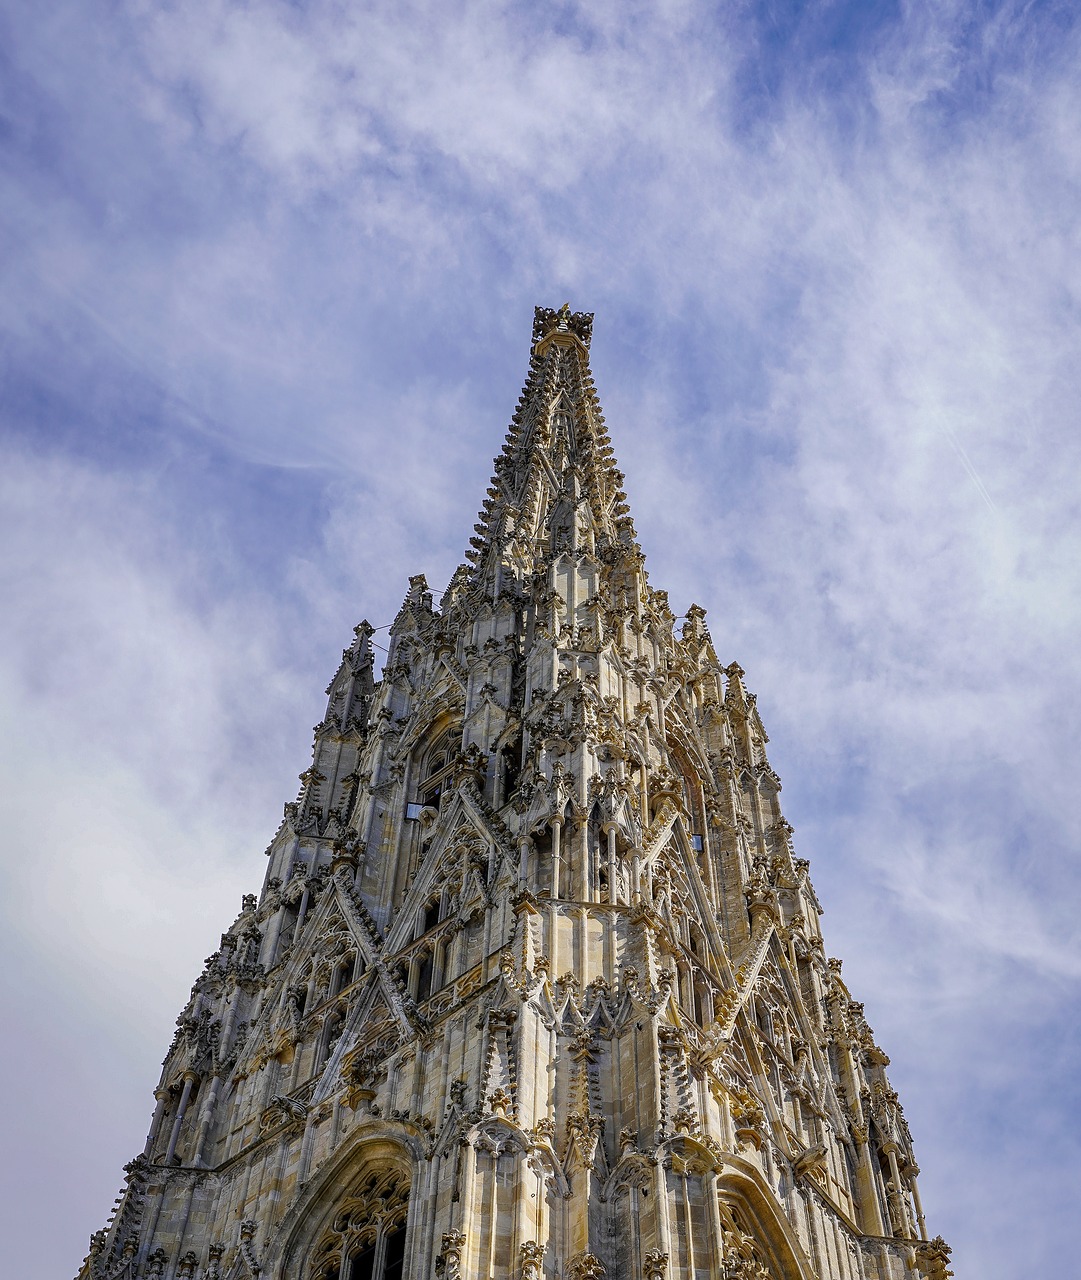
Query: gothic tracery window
(366, 1240)
(437, 768)
(743, 1257)
(332, 1033)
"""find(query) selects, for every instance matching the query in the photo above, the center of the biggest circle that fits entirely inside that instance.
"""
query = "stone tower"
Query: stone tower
(535, 986)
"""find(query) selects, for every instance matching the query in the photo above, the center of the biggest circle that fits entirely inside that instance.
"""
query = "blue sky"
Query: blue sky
(267, 274)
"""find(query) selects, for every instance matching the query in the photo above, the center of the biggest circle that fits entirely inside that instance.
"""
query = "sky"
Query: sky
(267, 274)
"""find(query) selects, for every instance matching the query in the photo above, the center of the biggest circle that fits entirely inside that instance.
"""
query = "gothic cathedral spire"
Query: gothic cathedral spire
(535, 986)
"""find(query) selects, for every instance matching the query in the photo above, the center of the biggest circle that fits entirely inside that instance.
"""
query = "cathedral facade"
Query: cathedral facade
(535, 987)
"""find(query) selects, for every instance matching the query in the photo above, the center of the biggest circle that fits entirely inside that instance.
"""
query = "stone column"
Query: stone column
(663, 1226)
(610, 831)
(913, 1171)
(896, 1196)
(162, 1096)
(189, 1080)
(424, 1232)
(716, 1249)
(206, 1117)
(302, 911)
(465, 1193)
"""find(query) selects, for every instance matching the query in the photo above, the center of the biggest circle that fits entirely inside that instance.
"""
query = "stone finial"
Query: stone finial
(585, 1266)
(933, 1257)
(155, 1264)
(547, 321)
(655, 1265)
(448, 1264)
(530, 1256)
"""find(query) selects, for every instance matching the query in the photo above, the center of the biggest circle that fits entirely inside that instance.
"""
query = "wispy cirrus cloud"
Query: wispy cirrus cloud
(264, 314)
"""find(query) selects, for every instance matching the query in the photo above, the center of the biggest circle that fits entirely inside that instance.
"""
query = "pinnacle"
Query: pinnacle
(555, 489)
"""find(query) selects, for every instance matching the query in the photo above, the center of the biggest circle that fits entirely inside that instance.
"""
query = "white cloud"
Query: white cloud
(312, 233)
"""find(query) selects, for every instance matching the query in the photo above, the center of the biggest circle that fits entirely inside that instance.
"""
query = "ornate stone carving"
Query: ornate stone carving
(449, 1262)
(933, 1257)
(550, 777)
(655, 1265)
(156, 1261)
(585, 1266)
(530, 1255)
(248, 1229)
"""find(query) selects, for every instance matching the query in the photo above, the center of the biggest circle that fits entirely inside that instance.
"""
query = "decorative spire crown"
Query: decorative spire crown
(556, 486)
(547, 323)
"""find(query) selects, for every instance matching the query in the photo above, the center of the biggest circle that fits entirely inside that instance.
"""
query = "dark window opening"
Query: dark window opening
(362, 1264)
(394, 1264)
(512, 766)
(335, 1027)
(367, 1239)
(424, 977)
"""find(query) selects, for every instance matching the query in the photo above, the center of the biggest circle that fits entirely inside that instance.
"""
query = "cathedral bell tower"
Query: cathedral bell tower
(535, 987)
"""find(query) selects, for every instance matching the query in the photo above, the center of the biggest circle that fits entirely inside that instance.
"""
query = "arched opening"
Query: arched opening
(347, 972)
(756, 1240)
(367, 1236)
(703, 1000)
(543, 869)
(334, 1026)
(432, 915)
(511, 764)
(425, 975)
(596, 878)
(436, 770)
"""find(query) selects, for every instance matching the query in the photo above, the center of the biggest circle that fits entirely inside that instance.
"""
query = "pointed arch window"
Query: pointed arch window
(425, 975)
(432, 915)
(332, 1033)
(367, 1238)
(745, 1245)
(437, 768)
(349, 969)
